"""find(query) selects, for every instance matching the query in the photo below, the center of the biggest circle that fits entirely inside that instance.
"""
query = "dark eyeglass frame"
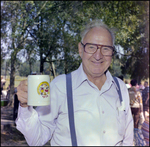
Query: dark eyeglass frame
(113, 49)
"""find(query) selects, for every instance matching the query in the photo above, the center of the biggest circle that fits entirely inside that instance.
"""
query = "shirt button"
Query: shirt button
(104, 132)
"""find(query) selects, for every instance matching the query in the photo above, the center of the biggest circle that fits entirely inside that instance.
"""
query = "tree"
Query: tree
(16, 16)
(130, 20)
(53, 28)
(24, 70)
(16, 40)
(30, 49)
(137, 64)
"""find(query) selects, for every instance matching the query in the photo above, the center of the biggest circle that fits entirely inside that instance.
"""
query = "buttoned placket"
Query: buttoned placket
(101, 113)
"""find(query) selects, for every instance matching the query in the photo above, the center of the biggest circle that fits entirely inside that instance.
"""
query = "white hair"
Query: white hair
(96, 23)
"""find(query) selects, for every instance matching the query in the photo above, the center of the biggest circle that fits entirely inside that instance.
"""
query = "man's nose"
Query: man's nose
(97, 54)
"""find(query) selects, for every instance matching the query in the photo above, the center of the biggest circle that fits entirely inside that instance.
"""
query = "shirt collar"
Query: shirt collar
(111, 80)
(79, 77)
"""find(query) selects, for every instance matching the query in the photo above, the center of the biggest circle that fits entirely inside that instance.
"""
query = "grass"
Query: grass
(18, 79)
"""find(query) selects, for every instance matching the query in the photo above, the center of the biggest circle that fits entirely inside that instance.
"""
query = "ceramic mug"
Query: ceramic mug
(38, 90)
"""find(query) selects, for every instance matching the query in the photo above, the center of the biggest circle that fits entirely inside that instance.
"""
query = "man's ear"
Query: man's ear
(80, 49)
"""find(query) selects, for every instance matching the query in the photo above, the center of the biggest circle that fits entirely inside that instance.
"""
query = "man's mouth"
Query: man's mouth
(97, 63)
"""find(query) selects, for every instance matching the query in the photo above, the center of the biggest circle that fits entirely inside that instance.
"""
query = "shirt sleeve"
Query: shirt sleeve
(128, 136)
(37, 125)
(30, 124)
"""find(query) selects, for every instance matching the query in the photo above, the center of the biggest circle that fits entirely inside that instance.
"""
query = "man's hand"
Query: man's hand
(22, 93)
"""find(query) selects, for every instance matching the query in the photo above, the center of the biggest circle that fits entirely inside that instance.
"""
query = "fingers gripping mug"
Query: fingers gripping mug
(38, 90)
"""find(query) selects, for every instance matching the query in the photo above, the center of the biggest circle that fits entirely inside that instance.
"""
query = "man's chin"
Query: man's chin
(97, 74)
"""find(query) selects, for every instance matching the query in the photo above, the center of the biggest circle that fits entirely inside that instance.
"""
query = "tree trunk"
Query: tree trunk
(6, 69)
(65, 49)
(13, 60)
(41, 64)
(30, 65)
(53, 69)
(12, 79)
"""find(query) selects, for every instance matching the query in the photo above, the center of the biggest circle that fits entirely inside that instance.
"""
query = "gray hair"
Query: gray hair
(96, 23)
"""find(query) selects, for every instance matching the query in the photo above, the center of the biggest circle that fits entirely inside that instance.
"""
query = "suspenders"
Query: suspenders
(70, 106)
(118, 90)
(70, 109)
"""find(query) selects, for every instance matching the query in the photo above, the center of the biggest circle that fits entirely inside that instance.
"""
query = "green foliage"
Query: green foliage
(24, 70)
(54, 27)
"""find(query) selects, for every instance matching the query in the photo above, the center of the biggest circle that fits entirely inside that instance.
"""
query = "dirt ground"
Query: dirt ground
(10, 136)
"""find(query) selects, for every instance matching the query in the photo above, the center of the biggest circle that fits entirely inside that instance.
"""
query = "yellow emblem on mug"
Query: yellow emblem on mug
(43, 89)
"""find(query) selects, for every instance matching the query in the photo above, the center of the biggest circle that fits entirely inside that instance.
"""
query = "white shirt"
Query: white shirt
(98, 121)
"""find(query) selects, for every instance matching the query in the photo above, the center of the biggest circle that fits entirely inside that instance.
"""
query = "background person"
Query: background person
(99, 117)
(145, 127)
(16, 104)
(137, 112)
(3, 81)
(128, 85)
(145, 97)
(141, 87)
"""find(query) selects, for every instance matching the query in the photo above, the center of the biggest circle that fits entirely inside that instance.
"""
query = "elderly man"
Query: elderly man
(97, 117)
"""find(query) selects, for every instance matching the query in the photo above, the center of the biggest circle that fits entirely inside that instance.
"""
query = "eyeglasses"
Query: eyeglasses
(91, 48)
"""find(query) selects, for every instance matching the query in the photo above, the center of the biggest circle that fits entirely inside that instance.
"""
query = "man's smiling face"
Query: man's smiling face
(94, 65)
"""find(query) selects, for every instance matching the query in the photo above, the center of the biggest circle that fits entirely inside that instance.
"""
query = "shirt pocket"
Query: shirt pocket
(121, 122)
